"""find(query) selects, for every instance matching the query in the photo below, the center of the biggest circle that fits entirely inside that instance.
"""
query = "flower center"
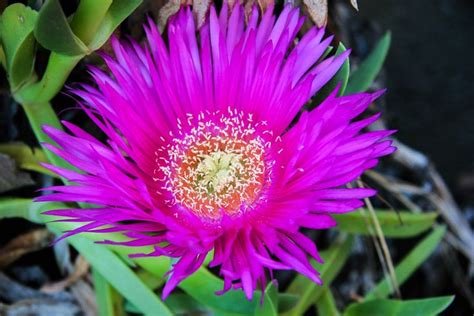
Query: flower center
(218, 172)
(217, 166)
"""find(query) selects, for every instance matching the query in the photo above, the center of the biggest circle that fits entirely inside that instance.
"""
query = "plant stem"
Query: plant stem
(40, 114)
(58, 69)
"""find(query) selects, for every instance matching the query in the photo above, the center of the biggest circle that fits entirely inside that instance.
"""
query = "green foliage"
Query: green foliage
(53, 32)
(69, 39)
(383, 307)
(286, 302)
(365, 74)
(184, 304)
(88, 17)
(340, 78)
(326, 305)
(202, 286)
(122, 278)
(118, 11)
(26, 157)
(308, 291)
(393, 224)
(109, 302)
(16, 30)
(270, 303)
(16, 207)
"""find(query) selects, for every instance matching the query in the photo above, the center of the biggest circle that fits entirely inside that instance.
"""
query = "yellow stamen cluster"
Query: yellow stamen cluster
(218, 166)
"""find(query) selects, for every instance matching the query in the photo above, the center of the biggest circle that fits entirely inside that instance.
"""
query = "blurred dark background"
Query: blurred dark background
(429, 76)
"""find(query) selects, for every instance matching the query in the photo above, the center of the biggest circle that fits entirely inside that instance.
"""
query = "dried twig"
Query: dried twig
(81, 267)
(383, 244)
(23, 244)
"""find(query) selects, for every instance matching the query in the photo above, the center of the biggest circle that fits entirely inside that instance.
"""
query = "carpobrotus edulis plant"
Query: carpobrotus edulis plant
(204, 152)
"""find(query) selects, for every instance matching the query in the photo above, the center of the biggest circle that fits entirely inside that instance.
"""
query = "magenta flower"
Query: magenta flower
(199, 154)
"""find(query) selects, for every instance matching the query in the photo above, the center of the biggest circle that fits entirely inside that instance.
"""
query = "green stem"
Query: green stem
(88, 17)
(16, 207)
(57, 71)
(40, 114)
(84, 24)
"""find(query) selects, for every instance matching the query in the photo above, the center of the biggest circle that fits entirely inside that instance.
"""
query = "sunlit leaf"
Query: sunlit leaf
(16, 30)
(361, 79)
(383, 307)
(393, 224)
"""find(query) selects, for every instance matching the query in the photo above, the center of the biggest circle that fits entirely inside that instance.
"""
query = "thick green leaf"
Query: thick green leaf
(341, 77)
(308, 291)
(3, 58)
(152, 281)
(384, 307)
(270, 302)
(117, 273)
(286, 302)
(16, 207)
(393, 224)
(179, 304)
(108, 264)
(202, 286)
(365, 74)
(16, 30)
(109, 302)
(410, 263)
(53, 32)
(118, 11)
(26, 157)
(184, 304)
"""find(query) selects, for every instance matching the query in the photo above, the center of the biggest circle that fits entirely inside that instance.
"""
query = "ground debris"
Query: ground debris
(10, 177)
(31, 241)
(39, 307)
(12, 291)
